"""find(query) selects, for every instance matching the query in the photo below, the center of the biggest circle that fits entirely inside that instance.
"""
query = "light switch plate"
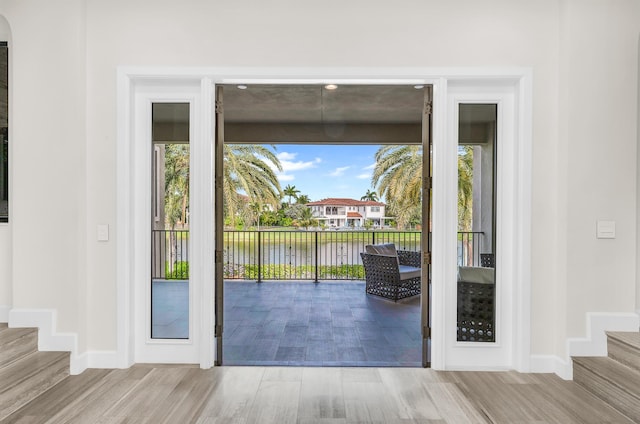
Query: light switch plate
(606, 229)
(103, 232)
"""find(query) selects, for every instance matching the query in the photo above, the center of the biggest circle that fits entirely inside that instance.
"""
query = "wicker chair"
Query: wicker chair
(488, 260)
(476, 305)
(390, 273)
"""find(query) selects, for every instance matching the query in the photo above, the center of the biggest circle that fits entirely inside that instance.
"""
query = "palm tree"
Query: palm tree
(398, 176)
(176, 177)
(291, 191)
(256, 209)
(307, 219)
(250, 168)
(370, 195)
(465, 188)
(176, 191)
(303, 199)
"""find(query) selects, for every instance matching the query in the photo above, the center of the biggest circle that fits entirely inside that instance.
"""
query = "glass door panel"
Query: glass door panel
(170, 221)
(476, 246)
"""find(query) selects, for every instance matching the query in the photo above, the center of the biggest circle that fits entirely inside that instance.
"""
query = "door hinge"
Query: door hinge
(219, 108)
(428, 108)
(426, 258)
(426, 183)
(218, 256)
(217, 331)
(426, 332)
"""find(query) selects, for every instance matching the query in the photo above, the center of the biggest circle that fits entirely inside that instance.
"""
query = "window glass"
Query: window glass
(477, 149)
(170, 221)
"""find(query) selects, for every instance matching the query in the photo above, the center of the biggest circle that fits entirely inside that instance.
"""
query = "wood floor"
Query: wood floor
(182, 394)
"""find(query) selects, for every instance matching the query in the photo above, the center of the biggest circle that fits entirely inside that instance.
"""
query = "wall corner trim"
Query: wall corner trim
(4, 313)
(50, 340)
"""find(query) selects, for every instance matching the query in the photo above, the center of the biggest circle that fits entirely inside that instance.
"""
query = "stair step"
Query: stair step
(29, 377)
(611, 381)
(625, 347)
(16, 343)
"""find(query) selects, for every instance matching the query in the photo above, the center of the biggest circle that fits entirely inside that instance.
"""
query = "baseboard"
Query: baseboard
(551, 364)
(102, 359)
(598, 323)
(46, 321)
(595, 344)
(50, 340)
(4, 313)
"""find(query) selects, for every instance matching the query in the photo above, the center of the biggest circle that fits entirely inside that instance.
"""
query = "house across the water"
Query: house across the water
(339, 212)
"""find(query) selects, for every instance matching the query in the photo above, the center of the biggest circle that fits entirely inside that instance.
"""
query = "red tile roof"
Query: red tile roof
(334, 201)
(353, 215)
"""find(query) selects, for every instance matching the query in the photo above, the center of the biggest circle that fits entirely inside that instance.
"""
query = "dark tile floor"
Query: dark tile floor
(323, 324)
(301, 323)
(170, 309)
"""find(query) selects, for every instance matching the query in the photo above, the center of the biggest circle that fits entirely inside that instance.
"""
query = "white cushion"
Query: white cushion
(407, 272)
(388, 249)
(476, 274)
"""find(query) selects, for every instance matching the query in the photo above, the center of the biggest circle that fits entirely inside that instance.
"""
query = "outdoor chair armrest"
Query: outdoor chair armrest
(409, 257)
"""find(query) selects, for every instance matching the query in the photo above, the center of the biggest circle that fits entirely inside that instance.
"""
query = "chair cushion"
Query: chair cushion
(476, 274)
(407, 272)
(388, 249)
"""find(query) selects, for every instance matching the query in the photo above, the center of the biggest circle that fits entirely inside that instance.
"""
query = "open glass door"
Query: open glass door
(219, 222)
(426, 226)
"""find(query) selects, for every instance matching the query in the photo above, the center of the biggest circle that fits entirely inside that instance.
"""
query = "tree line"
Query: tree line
(253, 195)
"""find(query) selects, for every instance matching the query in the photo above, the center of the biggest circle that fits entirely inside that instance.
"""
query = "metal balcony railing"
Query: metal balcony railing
(293, 255)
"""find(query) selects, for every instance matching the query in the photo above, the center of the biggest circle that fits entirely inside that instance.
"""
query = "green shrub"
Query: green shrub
(180, 270)
(290, 272)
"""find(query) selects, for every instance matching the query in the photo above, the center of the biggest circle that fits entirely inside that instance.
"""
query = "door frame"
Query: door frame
(517, 272)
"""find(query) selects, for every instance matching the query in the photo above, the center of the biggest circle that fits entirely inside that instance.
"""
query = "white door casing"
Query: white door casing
(145, 348)
(511, 347)
(138, 87)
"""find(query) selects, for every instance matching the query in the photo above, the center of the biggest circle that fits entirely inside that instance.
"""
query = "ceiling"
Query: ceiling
(358, 114)
(314, 104)
(312, 113)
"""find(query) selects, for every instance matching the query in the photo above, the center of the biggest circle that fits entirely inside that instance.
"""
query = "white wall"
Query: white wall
(599, 156)
(48, 158)
(584, 60)
(638, 191)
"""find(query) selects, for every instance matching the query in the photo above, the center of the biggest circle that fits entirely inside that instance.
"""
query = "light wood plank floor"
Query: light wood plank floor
(183, 394)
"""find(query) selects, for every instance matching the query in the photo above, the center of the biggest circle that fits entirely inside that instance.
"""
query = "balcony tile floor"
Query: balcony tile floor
(301, 324)
(323, 324)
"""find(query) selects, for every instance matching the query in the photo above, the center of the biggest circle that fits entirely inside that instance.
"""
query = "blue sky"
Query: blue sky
(322, 171)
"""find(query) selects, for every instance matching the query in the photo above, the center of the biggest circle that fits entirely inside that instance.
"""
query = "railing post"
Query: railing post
(316, 257)
(259, 257)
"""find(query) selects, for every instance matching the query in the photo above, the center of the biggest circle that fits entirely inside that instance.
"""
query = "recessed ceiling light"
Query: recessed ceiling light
(242, 87)
(418, 87)
(331, 86)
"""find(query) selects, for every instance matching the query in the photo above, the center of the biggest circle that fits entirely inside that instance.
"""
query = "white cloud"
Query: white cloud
(363, 176)
(286, 177)
(286, 155)
(373, 165)
(288, 162)
(338, 172)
